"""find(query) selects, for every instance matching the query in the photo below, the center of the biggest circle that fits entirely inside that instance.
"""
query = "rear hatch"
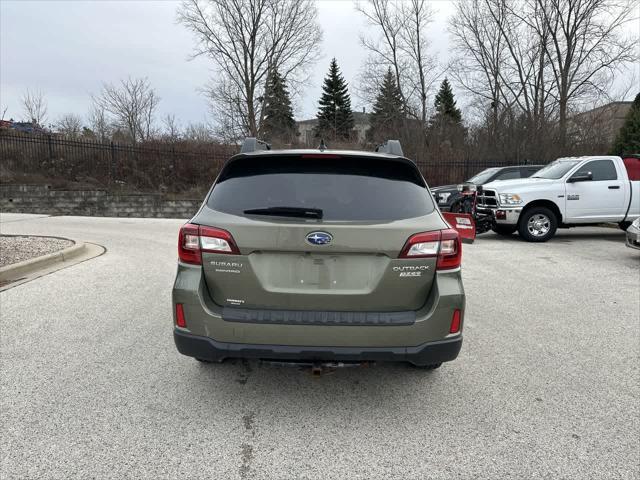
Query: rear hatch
(335, 246)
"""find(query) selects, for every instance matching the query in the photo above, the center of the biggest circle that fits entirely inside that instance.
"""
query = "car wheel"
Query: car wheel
(538, 224)
(624, 225)
(504, 229)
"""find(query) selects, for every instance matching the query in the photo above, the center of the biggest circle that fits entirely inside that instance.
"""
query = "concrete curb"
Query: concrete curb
(28, 267)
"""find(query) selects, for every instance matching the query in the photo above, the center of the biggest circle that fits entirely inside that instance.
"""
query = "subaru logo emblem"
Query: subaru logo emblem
(319, 238)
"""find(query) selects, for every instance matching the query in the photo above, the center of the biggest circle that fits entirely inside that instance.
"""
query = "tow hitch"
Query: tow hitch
(318, 369)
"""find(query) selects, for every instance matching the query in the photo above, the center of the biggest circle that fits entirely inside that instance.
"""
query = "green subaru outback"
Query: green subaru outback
(320, 257)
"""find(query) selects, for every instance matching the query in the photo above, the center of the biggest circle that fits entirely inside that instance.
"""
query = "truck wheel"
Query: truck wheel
(538, 224)
(624, 225)
(504, 229)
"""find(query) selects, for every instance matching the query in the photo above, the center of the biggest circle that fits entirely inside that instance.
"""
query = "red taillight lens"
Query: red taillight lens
(450, 255)
(180, 321)
(195, 239)
(455, 321)
(444, 244)
(189, 244)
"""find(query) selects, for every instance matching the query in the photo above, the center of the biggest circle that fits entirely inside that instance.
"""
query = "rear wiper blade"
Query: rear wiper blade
(286, 212)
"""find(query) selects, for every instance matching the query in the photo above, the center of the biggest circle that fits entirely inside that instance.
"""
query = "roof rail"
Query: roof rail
(392, 147)
(252, 144)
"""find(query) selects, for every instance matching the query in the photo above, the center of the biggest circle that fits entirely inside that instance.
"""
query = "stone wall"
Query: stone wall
(44, 199)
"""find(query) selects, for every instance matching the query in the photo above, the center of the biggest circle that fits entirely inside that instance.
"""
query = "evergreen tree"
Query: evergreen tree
(445, 105)
(278, 122)
(388, 113)
(628, 139)
(335, 119)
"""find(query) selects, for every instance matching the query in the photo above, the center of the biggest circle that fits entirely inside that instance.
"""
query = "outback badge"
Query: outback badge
(319, 238)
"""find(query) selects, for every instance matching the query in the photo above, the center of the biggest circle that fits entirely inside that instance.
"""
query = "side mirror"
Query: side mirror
(581, 177)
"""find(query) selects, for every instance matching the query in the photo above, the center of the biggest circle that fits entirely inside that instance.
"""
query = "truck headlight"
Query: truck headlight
(510, 199)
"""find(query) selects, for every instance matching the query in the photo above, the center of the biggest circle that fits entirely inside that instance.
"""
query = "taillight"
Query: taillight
(195, 239)
(450, 255)
(189, 244)
(443, 244)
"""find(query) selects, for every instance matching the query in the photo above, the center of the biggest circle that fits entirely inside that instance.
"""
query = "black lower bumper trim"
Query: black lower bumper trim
(311, 317)
(208, 349)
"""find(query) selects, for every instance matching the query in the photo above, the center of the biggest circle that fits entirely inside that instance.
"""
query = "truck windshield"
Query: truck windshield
(483, 176)
(556, 170)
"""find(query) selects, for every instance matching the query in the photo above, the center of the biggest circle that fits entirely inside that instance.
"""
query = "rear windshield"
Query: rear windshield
(344, 188)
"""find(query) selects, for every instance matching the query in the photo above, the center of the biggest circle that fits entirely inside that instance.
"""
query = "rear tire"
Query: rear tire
(624, 225)
(537, 224)
(505, 230)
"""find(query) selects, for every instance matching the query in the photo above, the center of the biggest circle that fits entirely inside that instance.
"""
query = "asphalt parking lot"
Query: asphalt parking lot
(546, 385)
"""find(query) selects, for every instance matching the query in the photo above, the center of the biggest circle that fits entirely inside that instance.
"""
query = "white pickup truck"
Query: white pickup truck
(569, 192)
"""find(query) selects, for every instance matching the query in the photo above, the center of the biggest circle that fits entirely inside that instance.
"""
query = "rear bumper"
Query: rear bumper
(208, 349)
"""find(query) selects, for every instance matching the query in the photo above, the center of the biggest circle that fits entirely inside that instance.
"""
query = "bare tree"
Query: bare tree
(482, 53)
(585, 46)
(198, 132)
(423, 69)
(99, 123)
(69, 125)
(171, 127)
(386, 50)
(525, 75)
(132, 105)
(34, 105)
(245, 38)
(403, 46)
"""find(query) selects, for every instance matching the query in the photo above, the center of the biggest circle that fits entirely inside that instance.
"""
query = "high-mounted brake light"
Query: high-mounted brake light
(193, 240)
(443, 244)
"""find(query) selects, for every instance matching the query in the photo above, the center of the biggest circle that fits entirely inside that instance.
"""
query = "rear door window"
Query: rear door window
(346, 188)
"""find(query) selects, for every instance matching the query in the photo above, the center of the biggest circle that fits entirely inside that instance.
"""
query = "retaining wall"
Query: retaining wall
(46, 200)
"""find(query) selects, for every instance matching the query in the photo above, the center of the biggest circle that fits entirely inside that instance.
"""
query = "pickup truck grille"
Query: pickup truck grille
(488, 198)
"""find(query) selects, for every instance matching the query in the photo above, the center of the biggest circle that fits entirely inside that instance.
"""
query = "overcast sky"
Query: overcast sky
(68, 48)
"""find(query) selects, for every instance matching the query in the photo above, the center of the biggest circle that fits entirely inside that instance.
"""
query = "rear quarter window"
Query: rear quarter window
(345, 189)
